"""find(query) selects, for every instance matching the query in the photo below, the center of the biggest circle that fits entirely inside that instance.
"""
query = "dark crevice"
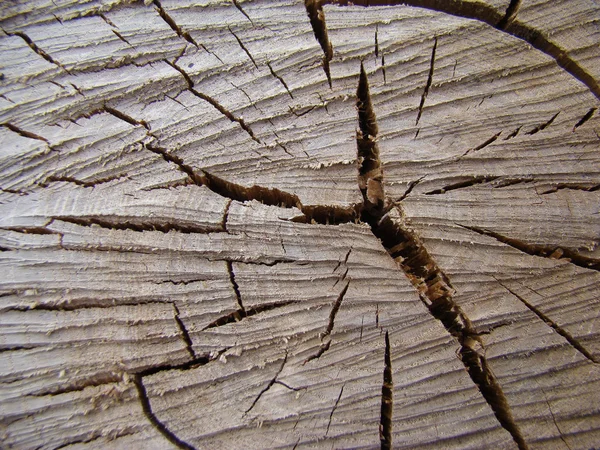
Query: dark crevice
(107, 20)
(544, 251)
(429, 81)
(169, 20)
(482, 145)
(235, 286)
(463, 184)
(287, 386)
(170, 185)
(575, 187)
(82, 304)
(325, 336)
(376, 41)
(561, 331)
(24, 133)
(505, 182)
(383, 68)
(120, 36)
(179, 282)
(16, 348)
(79, 385)
(387, 399)
(544, 125)
(489, 15)
(243, 47)
(126, 118)
(435, 290)
(185, 335)
(68, 179)
(281, 80)
(240, 9)
(370, 172)
(314, 8)
(513, 133)
(188, 365)
(300, 114)
(334, 408)
(268, 386)
(322, 214)
(36, 49)
(335, 308)
(241, 314)
(510, 14)
(174, 159)
(31, 230)
(264, 195)
(213, 102)
(161, 427)
(585, 118)
(226, 113)
(136, 224)
(322, 349)
(226, 215)
(328, 214)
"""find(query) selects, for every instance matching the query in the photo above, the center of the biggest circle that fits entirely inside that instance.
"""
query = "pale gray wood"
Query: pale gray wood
(171, 279)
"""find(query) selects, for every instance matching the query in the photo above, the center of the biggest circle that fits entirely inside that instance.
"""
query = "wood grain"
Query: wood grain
(201, 251)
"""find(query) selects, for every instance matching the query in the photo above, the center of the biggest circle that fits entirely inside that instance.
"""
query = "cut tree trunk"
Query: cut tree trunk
(287, 224)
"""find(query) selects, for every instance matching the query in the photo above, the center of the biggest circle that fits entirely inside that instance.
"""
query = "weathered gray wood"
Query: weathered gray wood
(191, 260)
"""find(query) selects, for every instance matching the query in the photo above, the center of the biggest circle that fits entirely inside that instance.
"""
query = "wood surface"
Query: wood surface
(299, 224)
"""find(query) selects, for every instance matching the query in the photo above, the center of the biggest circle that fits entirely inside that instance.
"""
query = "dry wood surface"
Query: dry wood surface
(248, 224)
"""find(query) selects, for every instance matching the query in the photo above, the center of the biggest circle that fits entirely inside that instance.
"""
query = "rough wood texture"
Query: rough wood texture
(287, 224)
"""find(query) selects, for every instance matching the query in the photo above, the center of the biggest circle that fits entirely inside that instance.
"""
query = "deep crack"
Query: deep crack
(387, 399)
(544, 251)
(434, 287)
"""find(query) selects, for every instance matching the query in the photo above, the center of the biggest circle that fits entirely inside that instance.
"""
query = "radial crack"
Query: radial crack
(544, 125)
(585, 118)
(68, 179)
(24, 133)
(36, 49)
(463, 184)
(243, 47)
(510, 14)
(387, 399)
(126, 118)
(482, 12)
(185, 335)
(435, 291)
(429, 81)
(235, 286)
(544, 251)
(325, 336)
(334, 408)
(240, 314)
(557, 328)
(213, 102)
(494, 138)
(136, 224)
(169, 20)
(370, 173)
(240, 9)
(314, 9)
(268, 386)
(281, 80)
(161, 427)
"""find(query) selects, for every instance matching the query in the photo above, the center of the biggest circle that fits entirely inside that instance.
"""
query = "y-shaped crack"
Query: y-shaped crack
(433, 285)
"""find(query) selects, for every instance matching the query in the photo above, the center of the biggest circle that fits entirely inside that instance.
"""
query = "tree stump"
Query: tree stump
(286, 224)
